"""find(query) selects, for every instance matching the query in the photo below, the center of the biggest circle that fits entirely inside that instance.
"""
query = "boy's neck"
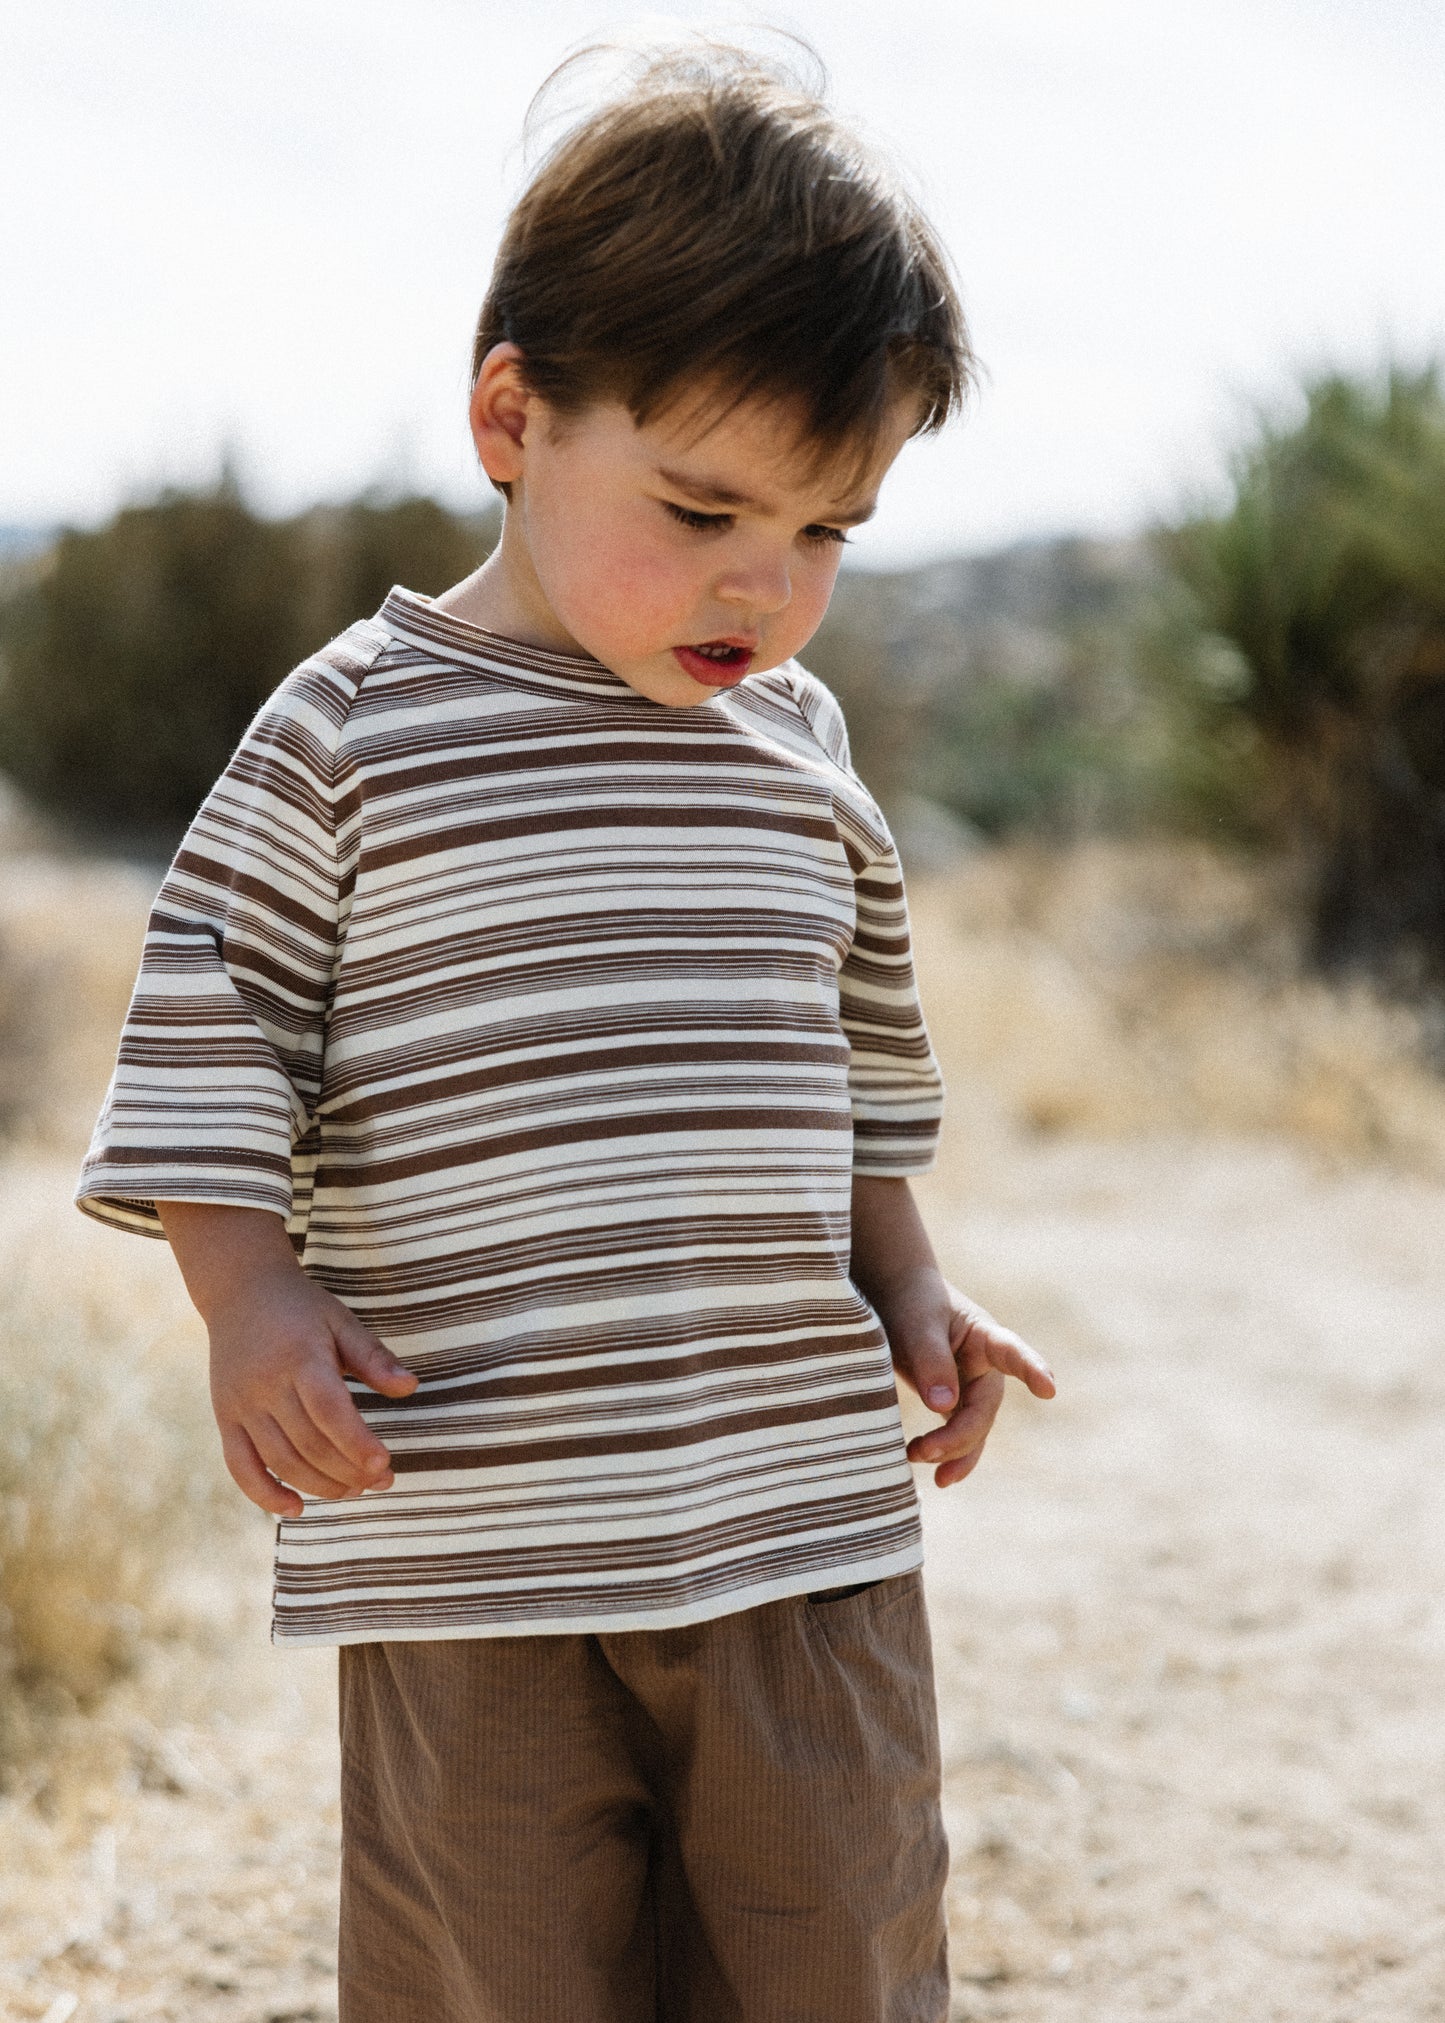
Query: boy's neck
(505, 597)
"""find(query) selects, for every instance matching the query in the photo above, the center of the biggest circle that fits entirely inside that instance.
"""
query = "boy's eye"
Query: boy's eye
(701, 523)
(713, 523)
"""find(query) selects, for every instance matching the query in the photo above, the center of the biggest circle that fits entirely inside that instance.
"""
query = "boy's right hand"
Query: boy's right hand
(279, 1346)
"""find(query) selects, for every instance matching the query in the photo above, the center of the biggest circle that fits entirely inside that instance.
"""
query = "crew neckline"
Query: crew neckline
(419, 620)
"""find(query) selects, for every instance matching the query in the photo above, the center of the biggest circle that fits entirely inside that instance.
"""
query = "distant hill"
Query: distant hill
(20, 540)
(1008, 604)
(1002, 687)
(1045, 579)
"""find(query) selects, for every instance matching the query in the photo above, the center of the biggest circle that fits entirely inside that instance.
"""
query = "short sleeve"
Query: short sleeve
(219, 1066)
(894, 1081)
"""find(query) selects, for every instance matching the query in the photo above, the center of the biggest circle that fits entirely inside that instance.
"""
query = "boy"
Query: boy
(526, 1067)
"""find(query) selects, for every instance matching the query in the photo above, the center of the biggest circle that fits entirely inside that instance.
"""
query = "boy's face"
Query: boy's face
(682, 561)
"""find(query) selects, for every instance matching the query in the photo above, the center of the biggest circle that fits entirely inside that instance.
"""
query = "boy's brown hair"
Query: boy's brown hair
(714, 233)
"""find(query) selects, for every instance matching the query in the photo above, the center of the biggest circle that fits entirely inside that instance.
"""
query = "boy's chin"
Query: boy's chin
(661, 679)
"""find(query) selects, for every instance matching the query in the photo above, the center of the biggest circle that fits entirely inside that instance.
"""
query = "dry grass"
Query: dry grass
(70, 939)
(108, 1484)
(110, 1490)
(1123, 989)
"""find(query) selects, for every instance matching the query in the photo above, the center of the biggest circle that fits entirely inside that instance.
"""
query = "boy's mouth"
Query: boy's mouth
(719, 662)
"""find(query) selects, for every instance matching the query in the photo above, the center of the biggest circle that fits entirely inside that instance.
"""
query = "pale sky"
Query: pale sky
(268, 223)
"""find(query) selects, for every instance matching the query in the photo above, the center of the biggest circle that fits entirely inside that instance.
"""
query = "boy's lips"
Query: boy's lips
(719, 662)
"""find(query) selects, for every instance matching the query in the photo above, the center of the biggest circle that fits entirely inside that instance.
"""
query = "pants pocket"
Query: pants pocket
(842, 1594)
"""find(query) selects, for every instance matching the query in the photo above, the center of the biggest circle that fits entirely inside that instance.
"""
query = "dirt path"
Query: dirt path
(1190, 1638)
(1190, 1628)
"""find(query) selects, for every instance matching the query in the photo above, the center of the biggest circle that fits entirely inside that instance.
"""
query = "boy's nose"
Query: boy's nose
(764, 588)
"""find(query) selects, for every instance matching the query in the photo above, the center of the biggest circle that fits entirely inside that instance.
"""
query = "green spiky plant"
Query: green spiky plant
(1326, 574)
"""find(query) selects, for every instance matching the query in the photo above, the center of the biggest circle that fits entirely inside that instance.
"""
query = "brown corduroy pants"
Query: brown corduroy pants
(733, 1822)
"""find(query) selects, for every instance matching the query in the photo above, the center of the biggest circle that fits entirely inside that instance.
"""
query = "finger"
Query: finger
(292, 1414)
(250, 1476)
(1013, 1358)
(276, 1450)
(980, 1342)
(968, 1427)
(372, 1361)
(928, 1366)
(957, 1471)
(332, 1411)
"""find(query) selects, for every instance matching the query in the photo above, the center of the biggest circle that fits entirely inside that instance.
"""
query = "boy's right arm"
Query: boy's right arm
(279, 1345)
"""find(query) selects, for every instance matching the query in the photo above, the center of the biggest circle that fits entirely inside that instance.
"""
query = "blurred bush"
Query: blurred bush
(1055, 689)
(133, 657)
(1324, 583)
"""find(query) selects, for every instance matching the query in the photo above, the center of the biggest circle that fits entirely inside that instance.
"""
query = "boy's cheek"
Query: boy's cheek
(809, 607)
(619, 602)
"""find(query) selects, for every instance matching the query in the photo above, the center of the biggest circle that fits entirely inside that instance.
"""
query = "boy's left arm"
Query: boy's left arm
(953, 1354)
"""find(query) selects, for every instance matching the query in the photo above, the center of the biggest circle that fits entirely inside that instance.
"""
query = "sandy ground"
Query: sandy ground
(1189, 1630)
(1190, 1634)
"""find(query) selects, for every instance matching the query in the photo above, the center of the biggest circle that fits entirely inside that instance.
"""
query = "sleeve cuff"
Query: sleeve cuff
(881, 1167)
(125, 1196)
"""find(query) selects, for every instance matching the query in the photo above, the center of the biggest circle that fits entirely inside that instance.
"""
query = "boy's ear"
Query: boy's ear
(499, 411)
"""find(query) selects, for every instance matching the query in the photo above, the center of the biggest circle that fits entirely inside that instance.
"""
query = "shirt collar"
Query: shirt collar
(417, 620)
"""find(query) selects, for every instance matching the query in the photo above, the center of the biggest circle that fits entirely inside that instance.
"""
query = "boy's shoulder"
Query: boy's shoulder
(339, 668)
(803, 713)
(802, 695)
(322, 689)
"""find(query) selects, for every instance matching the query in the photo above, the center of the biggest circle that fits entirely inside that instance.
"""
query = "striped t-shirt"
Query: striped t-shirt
(556, 1021)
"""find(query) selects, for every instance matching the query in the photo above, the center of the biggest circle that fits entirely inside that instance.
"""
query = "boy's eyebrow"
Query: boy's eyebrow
(713, 493)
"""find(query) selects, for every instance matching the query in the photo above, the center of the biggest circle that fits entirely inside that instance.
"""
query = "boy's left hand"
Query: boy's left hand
(955, 1355)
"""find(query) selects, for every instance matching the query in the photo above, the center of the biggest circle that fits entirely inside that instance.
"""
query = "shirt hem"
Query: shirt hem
(879, 1567)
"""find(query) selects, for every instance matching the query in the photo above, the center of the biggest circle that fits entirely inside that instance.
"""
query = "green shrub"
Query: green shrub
(1325, 580)
(135, 656)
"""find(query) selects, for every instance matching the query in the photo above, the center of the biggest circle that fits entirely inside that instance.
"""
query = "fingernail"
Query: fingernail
(377, 1464)
(941, 1396)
